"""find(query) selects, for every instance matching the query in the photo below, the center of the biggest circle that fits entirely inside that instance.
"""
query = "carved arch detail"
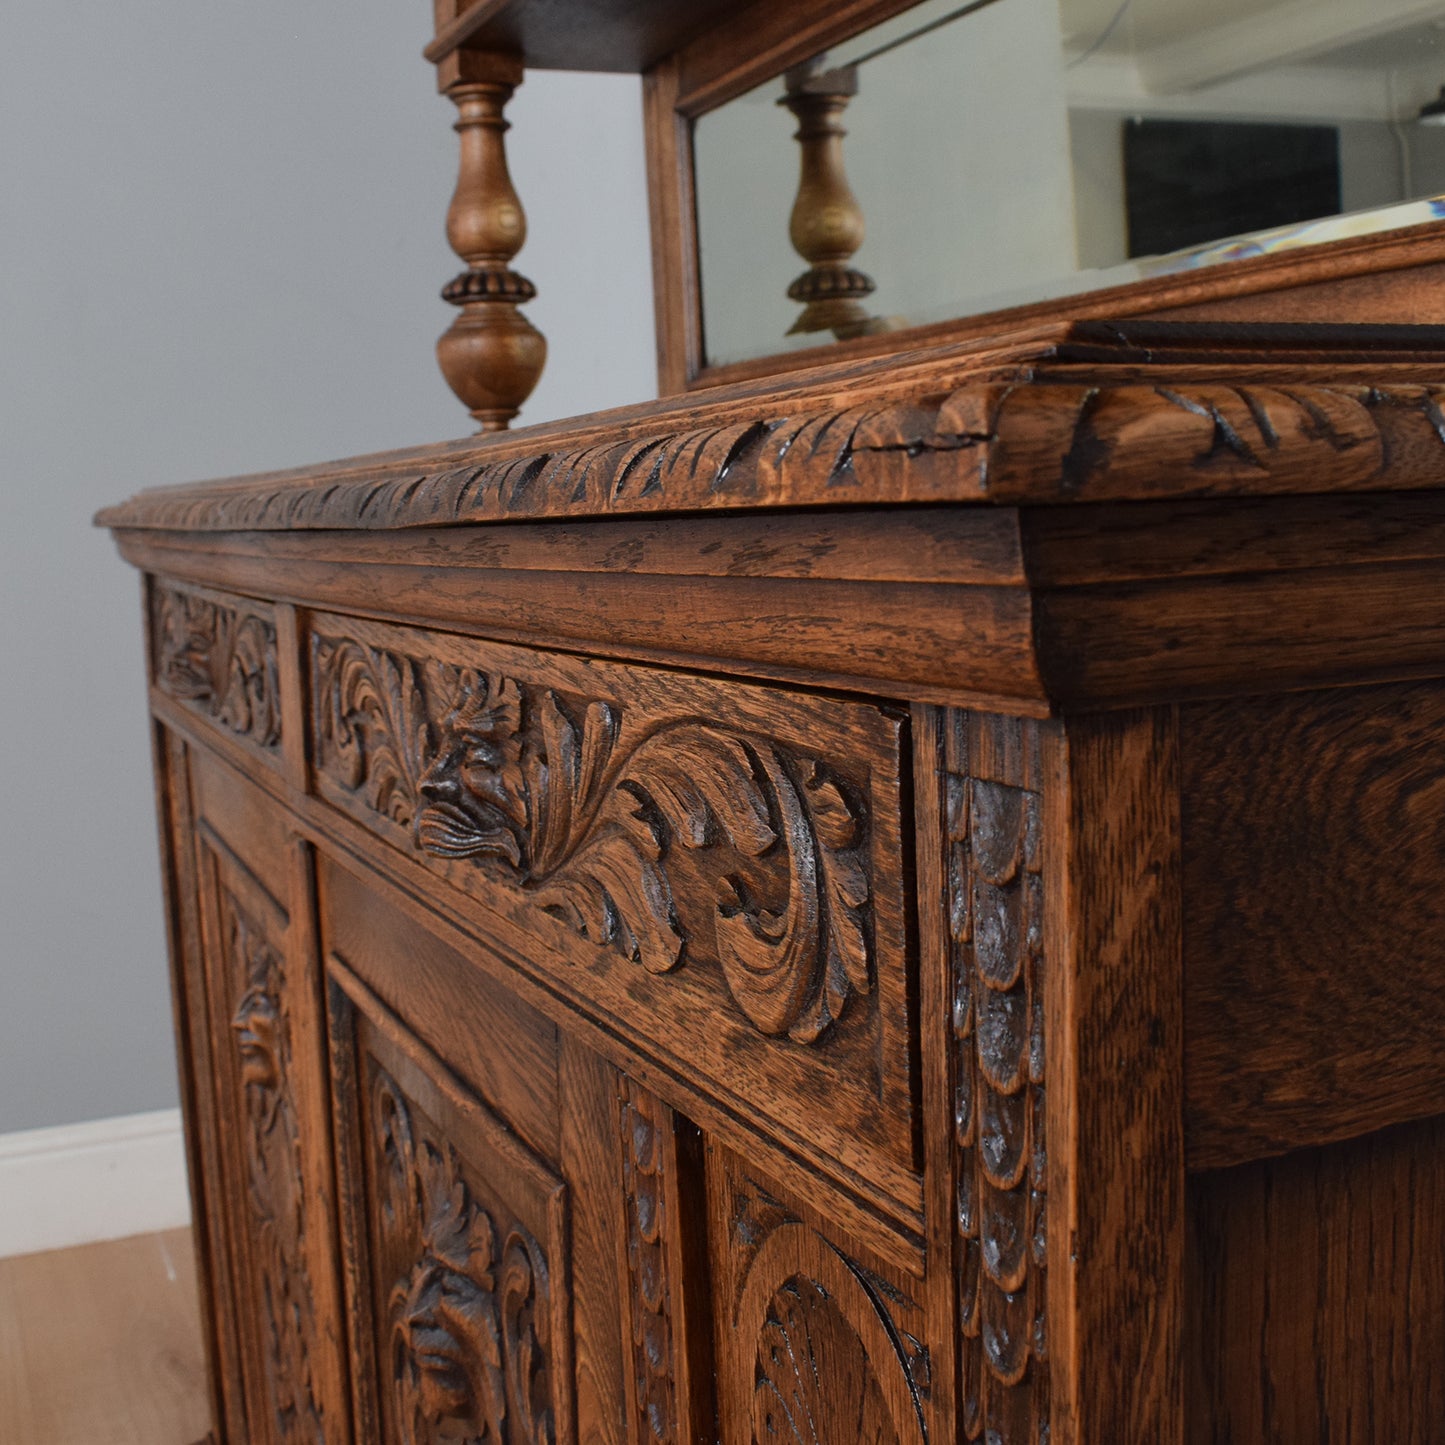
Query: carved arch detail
(829, 1361)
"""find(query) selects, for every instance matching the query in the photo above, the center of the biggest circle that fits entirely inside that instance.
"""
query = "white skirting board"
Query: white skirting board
(104, 1179)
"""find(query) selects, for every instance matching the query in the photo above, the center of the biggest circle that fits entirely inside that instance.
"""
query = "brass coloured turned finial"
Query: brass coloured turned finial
(491, 355)
(826, 226)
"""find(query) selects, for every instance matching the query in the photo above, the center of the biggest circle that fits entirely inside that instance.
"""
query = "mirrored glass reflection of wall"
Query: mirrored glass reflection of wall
(1011, 150)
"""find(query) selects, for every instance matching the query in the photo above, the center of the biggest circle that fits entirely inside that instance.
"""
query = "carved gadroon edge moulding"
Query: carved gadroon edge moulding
(555, 795)
(1052, 442)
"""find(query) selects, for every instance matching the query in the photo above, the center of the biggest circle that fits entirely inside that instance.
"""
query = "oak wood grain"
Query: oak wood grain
(1115, 1103)
(1316, 1307)
(1313, 830)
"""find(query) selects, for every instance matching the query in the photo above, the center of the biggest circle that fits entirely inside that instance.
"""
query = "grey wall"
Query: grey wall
(220, 247)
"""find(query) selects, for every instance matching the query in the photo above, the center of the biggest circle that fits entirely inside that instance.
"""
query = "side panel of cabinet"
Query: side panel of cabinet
(210, 1236)
(263, 1029)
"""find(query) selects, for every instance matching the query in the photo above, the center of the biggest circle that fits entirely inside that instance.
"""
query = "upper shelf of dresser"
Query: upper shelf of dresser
(616, 35)
(1090, 413)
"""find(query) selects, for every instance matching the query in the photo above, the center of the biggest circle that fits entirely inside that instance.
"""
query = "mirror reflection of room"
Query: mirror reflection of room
(975, 156)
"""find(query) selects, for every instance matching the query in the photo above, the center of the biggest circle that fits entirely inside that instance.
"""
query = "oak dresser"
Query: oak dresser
(898, 897)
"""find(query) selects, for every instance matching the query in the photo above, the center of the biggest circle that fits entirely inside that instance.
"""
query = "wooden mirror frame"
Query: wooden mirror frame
(1392, 277)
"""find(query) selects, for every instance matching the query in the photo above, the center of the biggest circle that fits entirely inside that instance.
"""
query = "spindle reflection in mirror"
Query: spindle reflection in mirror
(978, 156)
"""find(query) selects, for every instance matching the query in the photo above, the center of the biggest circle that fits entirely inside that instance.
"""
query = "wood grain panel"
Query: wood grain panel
(1316, 1308)
(1114, 1110)
(1314, 828)
(443, 997)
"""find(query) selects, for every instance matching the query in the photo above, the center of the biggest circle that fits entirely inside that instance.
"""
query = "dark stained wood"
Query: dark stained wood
(663, 1249)
(266, 1053)
(1314, 828)
(756, 912)
(1314, 1295)
(1114, 1114)
(466, 1320)
(616, 35)
(1000, 1068)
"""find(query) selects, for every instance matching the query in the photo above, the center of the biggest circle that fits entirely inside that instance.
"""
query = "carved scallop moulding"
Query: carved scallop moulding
(983, 440)
(645, 1121)
(995, 840)
(739, 883)
(216, 655)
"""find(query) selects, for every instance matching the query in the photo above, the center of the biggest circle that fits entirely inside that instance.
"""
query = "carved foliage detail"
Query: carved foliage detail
(467, 1323)
(541, 789)
(273, 1176)
(644, 1182)
(996, 901)
(220, 659)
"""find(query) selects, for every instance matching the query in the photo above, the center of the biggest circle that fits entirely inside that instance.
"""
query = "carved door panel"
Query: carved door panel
(456, 1241)
(820, 1344)
(267, 1061)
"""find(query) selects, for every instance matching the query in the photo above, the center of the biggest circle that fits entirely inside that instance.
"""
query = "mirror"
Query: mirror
(960, 158)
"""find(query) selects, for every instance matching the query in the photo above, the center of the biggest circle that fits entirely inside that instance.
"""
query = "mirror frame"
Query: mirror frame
(1392, 277)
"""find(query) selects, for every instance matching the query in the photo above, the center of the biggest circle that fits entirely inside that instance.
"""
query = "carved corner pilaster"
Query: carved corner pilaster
(994, 820)
(491, 355)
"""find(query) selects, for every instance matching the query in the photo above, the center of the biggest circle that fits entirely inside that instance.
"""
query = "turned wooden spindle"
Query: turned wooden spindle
(491, 355)
(826, 226)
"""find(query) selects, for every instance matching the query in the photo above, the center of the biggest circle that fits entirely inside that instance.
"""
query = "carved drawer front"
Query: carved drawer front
(456, 1240)
(216, 655)
(267, 1056)
(713, 868)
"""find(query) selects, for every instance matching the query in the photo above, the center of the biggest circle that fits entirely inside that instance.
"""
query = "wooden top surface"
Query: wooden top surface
(1097, 412)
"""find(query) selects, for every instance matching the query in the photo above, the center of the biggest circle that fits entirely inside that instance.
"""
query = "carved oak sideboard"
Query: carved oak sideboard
(903, 904)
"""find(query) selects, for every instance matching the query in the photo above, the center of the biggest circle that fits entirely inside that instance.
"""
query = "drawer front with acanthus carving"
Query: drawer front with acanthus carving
(712, 869)
(217, 656)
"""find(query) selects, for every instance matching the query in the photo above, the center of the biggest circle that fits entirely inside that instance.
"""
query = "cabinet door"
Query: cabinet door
(456, 1236)
(272, 1170)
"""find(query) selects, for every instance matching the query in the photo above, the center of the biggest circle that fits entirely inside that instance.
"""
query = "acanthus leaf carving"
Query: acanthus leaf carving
(1056, 440)
(554, 794)
(220, 658)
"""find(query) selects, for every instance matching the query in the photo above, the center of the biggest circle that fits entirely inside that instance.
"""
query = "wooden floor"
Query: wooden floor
(101, 1345)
